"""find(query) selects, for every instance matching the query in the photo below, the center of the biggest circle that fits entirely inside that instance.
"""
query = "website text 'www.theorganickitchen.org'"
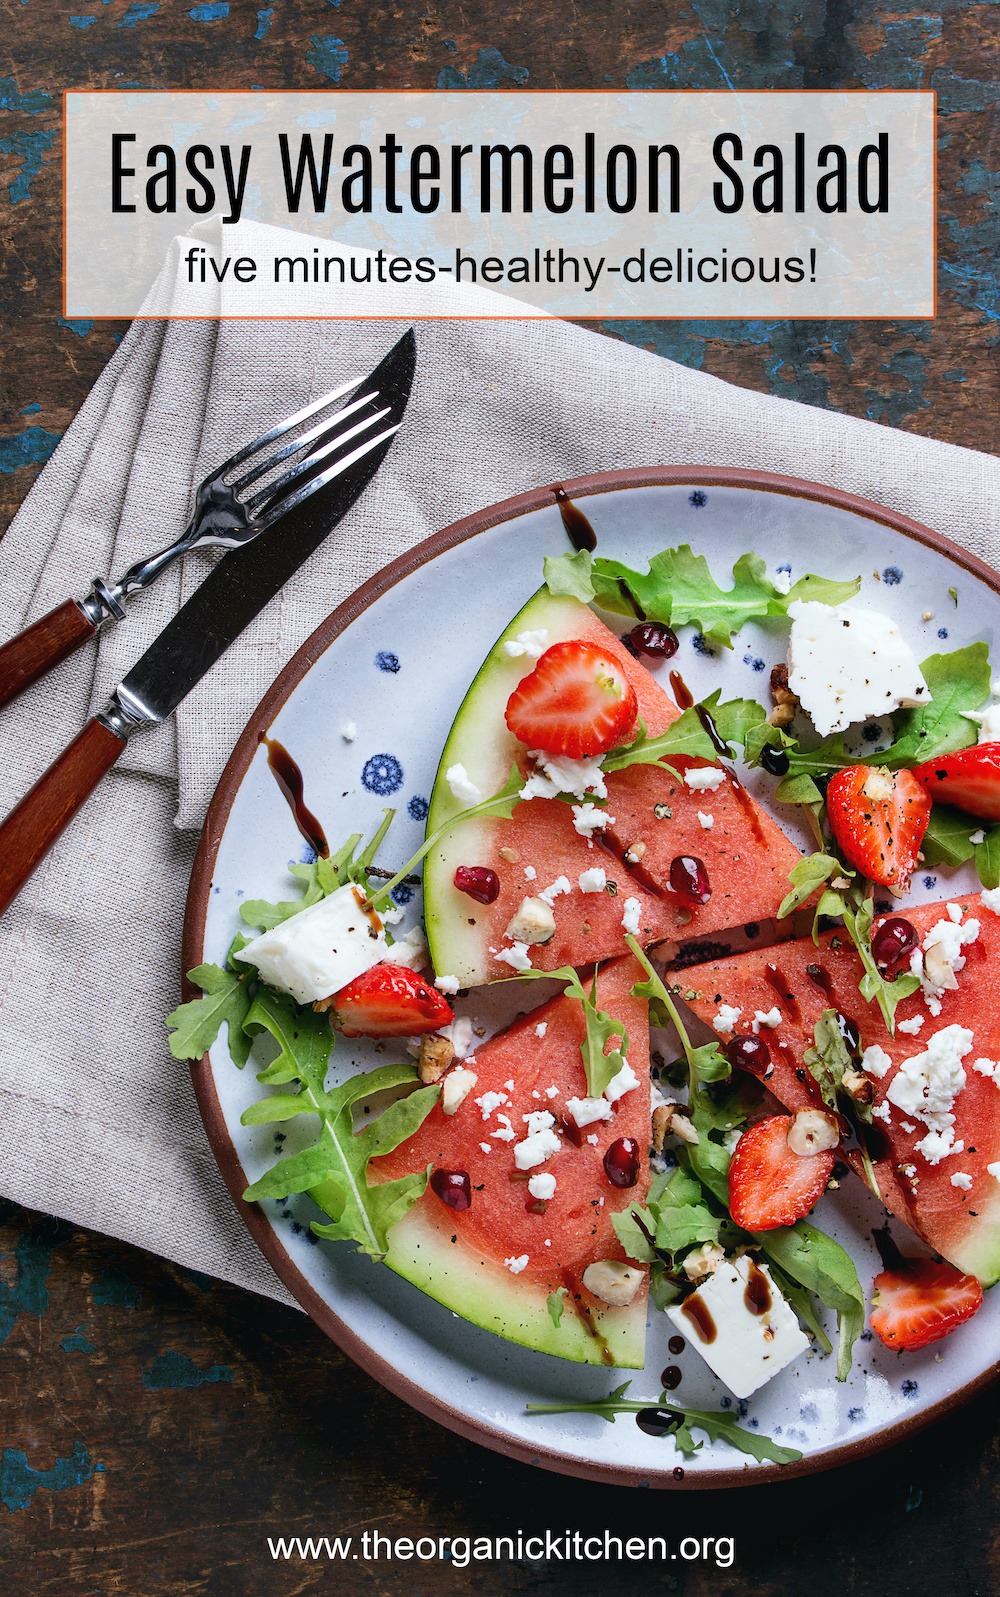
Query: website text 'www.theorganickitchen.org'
(561, 1546)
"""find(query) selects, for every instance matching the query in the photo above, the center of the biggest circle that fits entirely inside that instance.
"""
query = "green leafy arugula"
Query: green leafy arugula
(717, 1426)
(948, 841)
(828, 1058)
(227, 996)
(555, 1304)
(320, 878)
(733, 720)
(605, 1040)
(679, 589)
(334, 1169)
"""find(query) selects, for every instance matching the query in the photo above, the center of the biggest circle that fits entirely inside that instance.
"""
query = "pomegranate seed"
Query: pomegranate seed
(479, 882)
(849, 1032)
(751, 1054)
(689, 877)
(621, 1162)
(570, 1129)
(654, 639)
(453, 1187)
(893, 941)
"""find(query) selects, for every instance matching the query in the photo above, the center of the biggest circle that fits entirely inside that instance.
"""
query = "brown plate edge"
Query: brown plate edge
(193, 943)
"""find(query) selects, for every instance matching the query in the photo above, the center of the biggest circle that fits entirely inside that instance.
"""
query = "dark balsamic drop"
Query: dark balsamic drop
(578, 529)
(289, 778)
(671, 1378)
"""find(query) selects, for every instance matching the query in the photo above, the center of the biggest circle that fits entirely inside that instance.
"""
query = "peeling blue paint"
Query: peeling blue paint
(77, 1343)
(30, 448)
(81, 22)
(29, 149)
(972, 275)
(19, 1482)
(895, 406)
(11, 98)
(32, 409)
(963, 94)
(210, 13)
(171, 1371)
(114, 1290)
(138, 12)
(327, 55)
(263, 21)
(80, 326)
(899, 63)
(488, 71)
(29, 1293)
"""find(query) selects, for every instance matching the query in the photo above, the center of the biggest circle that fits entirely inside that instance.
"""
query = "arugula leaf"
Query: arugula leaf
(717, 1426)
(988, 858)
(958, 681)
(226, 1002)
(946, 840)
(633, 1228)
(762, 735)
(823, 1267)
(734, 720)
(705, 1064)
(569, 576)
(873, 984)
(827, 1060)
(554, 1303)
(682, 1218)
(663, 1289)
(802, 1303)
(320, 878)
(305, 1040)
(808, 874)
(601, 1066)
(501, 804)
(679, 588)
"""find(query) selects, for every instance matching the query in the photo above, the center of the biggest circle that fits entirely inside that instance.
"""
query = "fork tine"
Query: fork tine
(285, 426)
(315, 483)
(268, 497)
(321, 430)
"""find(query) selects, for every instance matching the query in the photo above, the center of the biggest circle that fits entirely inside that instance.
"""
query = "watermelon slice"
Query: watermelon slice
(458, 1257)
(960, 1221)
(746, 854)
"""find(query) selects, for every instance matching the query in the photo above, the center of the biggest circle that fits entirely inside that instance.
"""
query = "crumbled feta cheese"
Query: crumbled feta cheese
(726, 1018)
(766, 1017)
(882, 1112)
(317, 951)
(621, 1083)
(954, 913)
(532, 922)
(590, 818)
(907, 1127)
(536, 1148)
(782, 580)
(586, 1110)
(926, 1087)
(554, 774)
(517, 957)
(747, 1348)
(593, 1138)
(447, 985)
(541, 1028)
(847, 664)
(977, 837)
(455, 1088)
(912, 1026)
(875, 1061)
(990, 899)
(704, 778)
(986, 1067)
(961, 1180)
(457, 778)
(527, 644)
(490, 1101)
(994, 1170)
(542, 1186)
(937, 1145)
(593, 881)
(988, 721)
(486, 1148)
(505, 1131)
(349, 731)
(942, 955)
(409, 950)
(631, 915)
(557, 889)
(552, 1091)
(538, 1120)
(460, 1034)
(516, 1265)
(530, 874)
(706, 822)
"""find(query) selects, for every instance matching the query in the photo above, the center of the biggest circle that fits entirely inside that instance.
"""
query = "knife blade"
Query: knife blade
(228, 599)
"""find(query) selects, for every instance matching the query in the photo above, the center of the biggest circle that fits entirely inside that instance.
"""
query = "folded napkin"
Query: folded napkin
(97, 1122)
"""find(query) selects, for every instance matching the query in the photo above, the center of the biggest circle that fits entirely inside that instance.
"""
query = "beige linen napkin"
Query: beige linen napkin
(97, 1123)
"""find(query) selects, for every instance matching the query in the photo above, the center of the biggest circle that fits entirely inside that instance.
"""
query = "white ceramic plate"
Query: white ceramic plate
(397, 660)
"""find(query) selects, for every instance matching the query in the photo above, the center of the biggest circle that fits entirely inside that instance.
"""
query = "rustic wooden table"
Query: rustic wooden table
(156, 1426)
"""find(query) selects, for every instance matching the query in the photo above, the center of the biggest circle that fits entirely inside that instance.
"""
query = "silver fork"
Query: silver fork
(226, 516)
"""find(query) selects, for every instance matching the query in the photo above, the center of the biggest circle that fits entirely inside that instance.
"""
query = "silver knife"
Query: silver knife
(235, 591)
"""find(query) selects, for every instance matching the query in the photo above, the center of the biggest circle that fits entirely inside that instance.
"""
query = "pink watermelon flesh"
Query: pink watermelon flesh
(746, 854)
(803, 980)
(574, 1229)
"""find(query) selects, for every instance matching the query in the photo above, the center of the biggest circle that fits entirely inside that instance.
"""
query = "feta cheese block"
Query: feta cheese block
(847, 664)
(741, 1325)
(315, 953)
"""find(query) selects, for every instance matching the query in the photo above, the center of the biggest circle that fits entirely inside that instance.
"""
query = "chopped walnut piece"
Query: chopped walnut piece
(786, 703)
(670, 1118)
(858, 1087)
(511, 855)
(436, 1054)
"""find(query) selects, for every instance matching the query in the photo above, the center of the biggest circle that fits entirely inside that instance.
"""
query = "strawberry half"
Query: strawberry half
(970, 779)
(921, 1301)
(389, 1001)
(879, 819)
(576, 702)
(771, 1185)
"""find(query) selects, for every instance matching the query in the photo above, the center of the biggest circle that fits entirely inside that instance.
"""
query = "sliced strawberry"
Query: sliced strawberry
(769, 1183)
(879, 819)
(921, 1301)
(970, 779)
(576, 702)
(389, 1001)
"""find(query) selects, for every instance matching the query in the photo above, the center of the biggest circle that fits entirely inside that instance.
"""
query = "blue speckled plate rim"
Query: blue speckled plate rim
(194, 935)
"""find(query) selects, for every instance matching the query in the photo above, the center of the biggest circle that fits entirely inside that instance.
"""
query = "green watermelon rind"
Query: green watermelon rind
(489, 1296)
(473, 741)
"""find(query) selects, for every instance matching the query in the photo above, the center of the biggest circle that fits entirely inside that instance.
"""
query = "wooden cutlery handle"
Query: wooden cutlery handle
(41, 646)
(30, 830)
